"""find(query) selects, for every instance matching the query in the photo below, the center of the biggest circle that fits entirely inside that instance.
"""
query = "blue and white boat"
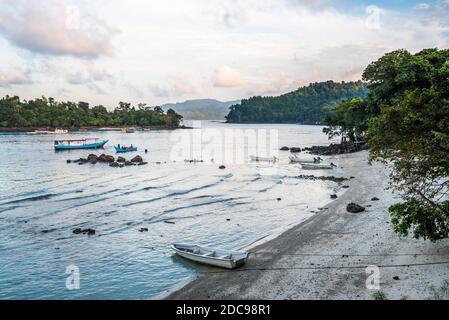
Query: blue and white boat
(88, 143)
(120, 149)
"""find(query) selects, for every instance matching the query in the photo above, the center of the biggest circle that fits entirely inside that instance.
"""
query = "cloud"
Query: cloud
(422, 6)
(13, 75)
(227, 77)
(54, 28)
(177, 86)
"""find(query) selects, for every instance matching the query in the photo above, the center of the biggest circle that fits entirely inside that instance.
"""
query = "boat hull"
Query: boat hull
(316, 166)
(96, 145)
(121, 150)
(263, 159)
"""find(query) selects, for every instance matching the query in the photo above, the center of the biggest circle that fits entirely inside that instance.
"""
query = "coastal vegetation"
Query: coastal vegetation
(47, 112)
(308, 105)
(405, 121)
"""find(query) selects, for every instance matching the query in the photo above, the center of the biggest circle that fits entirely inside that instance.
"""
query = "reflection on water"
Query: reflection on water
(43, 199)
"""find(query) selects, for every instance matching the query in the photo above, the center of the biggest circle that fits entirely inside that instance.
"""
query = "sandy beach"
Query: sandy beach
(326, 256)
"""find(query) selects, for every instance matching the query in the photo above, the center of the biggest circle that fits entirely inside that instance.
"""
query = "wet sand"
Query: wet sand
(326, 256)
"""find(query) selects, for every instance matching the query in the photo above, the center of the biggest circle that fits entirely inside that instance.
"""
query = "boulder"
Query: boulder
(121, 159)
(129, 163)
(143, 230)
(137, 159)
(142, 163)
(69, 161)
(222, 167)
(354, 208)
(295, 150)
(106, 158)
(285, 148)
(114, 164)
(334, 196)
(92, 157)
(375, 199)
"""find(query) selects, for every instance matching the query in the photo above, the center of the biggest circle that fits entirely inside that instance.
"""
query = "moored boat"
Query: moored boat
(311, 166)
(263, 159)
(306, 161)
(57, 131)
(88, 143)
(121, 149)
(214, 257)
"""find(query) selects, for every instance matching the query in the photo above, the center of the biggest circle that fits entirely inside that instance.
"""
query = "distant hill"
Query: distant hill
(308, 105)
(201, 109)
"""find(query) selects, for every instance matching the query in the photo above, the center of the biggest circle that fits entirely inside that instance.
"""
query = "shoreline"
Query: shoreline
(325, 256)
(86, 129)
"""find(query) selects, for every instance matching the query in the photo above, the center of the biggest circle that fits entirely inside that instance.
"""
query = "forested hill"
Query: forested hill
(309, 105)
(201, 109)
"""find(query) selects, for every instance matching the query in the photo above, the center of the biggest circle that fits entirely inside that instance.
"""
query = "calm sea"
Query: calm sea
(43, 199)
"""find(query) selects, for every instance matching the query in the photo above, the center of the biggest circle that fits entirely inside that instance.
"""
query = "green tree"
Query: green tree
(411, 130)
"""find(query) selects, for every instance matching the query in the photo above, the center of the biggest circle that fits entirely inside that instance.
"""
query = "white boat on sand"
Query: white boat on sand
(214, 257)
(311, 166)
(263, 159)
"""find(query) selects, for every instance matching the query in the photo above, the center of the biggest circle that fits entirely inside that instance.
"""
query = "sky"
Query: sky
(159, 51)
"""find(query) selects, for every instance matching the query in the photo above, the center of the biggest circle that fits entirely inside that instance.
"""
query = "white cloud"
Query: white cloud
(52, 27)
(13, 75)
(227, 77)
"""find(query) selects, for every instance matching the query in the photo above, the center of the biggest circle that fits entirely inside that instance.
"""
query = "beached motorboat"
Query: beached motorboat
(88, 143)
(306, 161)
(120, 149)
(217, 258)
(263, 159)
(311, 166)
(128, 130)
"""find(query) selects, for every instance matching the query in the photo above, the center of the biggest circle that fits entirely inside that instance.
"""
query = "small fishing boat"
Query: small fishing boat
(120, 149)
(263, 159)
(311, 166)
(88, 143)
(306, 161)
(217, 258)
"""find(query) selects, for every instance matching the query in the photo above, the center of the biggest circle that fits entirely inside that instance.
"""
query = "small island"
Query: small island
(18, 115)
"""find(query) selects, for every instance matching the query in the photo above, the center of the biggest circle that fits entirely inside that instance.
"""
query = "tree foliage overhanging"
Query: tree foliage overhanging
(46, 112)
(405, 121)
(308, 105)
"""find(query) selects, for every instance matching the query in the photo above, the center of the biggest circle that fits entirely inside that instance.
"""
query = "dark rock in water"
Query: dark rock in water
(345, 187)
(89, 232)
(137, 159)
(143, 230)
(228, 219)
(396, 278)
(323, 178)
(295, 150)
(114, 164)
(93, 161)
(69, 161)
(334, 149)
(222, 167)
(129, 163)
(121, 166)
(169, 222)
(121, 159)
(142, 163)
(375, 199)
(354, 208)
(285, 148)
(106, 158)
(334, 196)
(92, 157)
(279, 199)
(146, 150)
